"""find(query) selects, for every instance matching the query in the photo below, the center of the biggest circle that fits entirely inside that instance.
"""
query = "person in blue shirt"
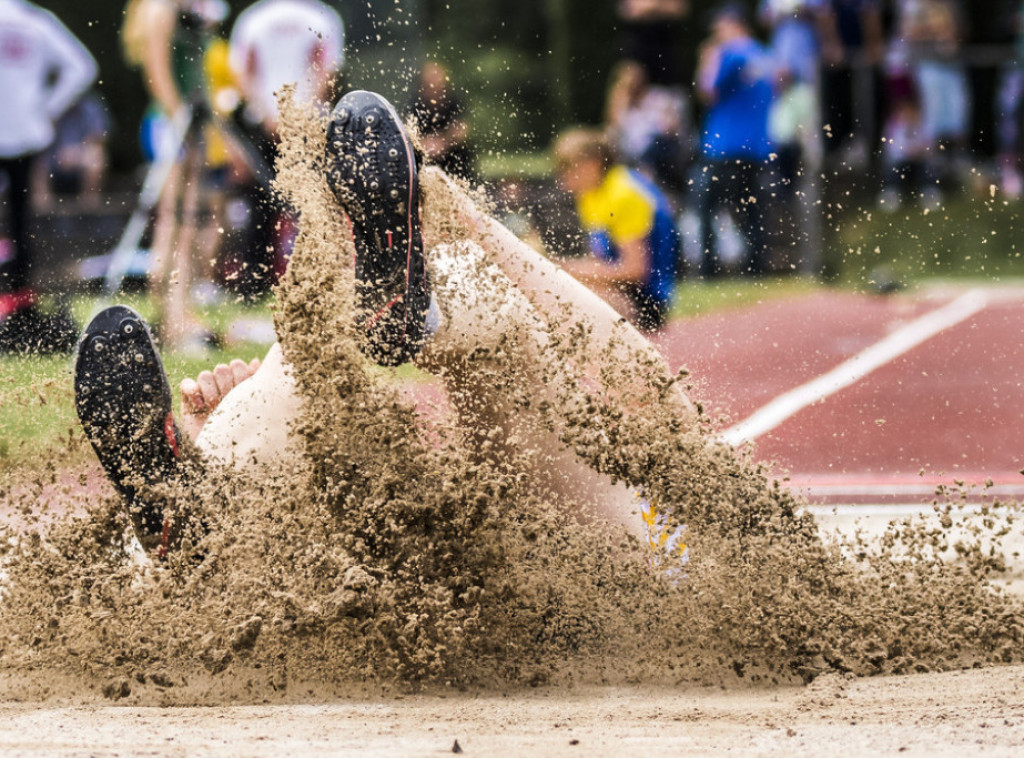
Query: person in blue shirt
(734, 80)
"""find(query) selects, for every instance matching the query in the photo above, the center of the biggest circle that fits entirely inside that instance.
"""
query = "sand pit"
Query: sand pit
(406, 580)
(976, 712)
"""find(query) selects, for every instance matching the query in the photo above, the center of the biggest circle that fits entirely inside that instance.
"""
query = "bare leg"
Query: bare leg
(165, 232)
(485, 314)
(177, 319)
(554, 293)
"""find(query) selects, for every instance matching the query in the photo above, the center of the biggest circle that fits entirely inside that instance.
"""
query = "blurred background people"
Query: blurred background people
(933, 32)
(734, 79)
(168, 40)
(75, 165)
(646, 125)
(795, 48)
(280, 42)
(905, 153)
(276, 43)
(853, 44)
(43, 70)
(650, 30)
(1010, 114)
(440, 117)
(631, 231)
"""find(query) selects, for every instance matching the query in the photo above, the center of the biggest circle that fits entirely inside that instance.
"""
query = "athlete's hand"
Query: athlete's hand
(200, 396)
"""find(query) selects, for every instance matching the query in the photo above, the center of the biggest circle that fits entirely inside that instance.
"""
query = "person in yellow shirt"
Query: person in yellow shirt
(631, 234)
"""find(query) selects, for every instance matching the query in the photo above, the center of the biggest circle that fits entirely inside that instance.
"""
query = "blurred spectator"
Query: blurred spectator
(279, 42)
(1010, 114)
(276, 43)
(632, 234)
(933, 31)
(441, 125)
(646, 125)
(43, 70)
(905, 150)
(734, 79)
(852, 46)
(75, 165)
(794, 122)
(650, 30)
(168, 40)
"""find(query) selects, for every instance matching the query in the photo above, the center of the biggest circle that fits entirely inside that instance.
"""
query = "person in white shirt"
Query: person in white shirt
(43, 70)
(280, 42)
(276, 43)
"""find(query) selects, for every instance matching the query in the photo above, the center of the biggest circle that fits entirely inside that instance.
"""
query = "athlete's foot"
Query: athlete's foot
(124, 403)
(371, 168)
(201, 396)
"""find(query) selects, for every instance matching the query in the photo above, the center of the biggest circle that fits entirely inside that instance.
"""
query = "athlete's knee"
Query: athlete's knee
(481, 307)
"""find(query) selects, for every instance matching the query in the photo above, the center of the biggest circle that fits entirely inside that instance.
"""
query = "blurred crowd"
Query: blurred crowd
(703, 173)
(785, 96)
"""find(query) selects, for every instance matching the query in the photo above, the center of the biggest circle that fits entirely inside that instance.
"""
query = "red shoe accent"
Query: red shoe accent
(11, 302)
(172, 438)
(371, 322)
(165, 540)
(391, 241)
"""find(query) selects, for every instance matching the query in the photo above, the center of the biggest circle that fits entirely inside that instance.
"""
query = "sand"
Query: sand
(975, 712)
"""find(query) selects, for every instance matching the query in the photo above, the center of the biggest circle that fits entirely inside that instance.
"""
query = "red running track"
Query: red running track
(950, 409)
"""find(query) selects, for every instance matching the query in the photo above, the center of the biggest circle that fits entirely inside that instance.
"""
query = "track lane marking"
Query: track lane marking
(856, 368)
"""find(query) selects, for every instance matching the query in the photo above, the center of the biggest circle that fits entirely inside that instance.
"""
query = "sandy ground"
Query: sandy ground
(979, 712)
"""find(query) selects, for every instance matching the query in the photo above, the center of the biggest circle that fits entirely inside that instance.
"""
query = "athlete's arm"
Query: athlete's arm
(631, 265)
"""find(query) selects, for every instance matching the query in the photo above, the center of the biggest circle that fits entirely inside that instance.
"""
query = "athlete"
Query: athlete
(438, 306)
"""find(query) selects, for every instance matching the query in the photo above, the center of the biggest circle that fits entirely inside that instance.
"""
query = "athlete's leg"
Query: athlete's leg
(177, 319)
(558, 297)
(492, 351)
(483, 314)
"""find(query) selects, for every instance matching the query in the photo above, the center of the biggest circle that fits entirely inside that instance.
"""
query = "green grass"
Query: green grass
(699, 298)
(36, 402)
(973, 236)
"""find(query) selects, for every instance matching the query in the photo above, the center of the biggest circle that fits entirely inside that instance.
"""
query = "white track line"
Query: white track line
(899, 510)
(856, 368)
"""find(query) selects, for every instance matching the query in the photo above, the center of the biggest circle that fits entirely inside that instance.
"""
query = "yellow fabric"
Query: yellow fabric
(620, 207)
(219, 76)
(218, 67)
(668, 544)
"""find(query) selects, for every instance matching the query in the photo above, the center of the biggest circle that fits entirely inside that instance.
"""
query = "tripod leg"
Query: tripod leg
(152, 188)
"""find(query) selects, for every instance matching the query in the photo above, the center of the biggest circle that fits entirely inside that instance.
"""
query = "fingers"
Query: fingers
(192, 397)
(204, 393)
(224, 378)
